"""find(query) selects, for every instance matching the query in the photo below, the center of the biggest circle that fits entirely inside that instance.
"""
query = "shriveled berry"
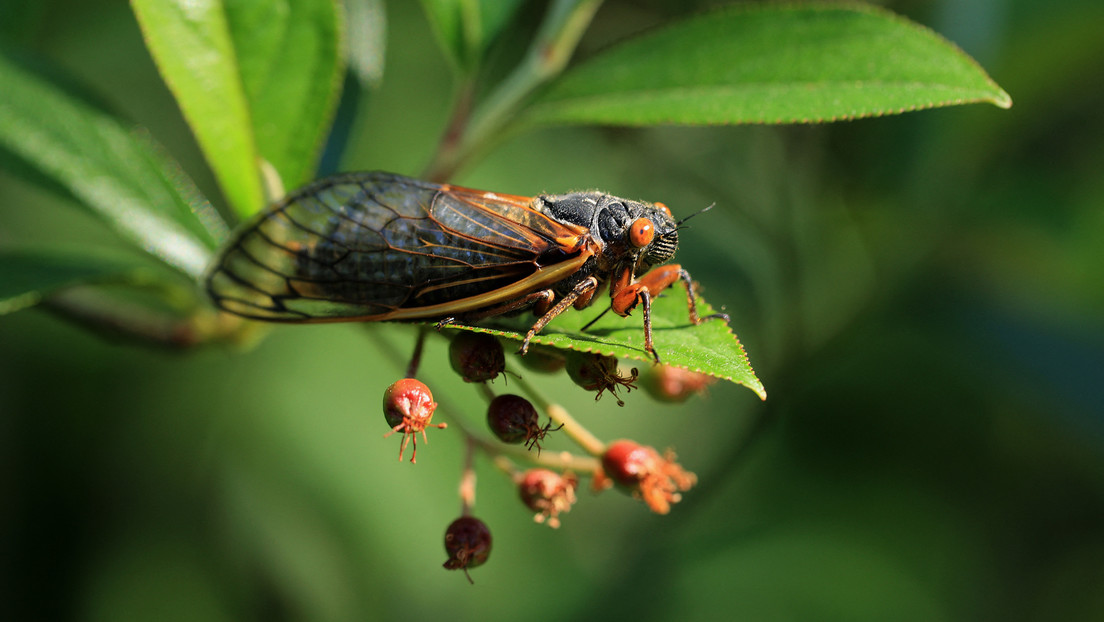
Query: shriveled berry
(598, 372)
(467, 543)
(657, 480)
(513, 419)
(548, 493)
(667, 383)
(477, 357)
(408, 407)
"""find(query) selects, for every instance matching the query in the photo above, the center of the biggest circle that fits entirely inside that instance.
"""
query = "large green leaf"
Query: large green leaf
(711, 347)
(257, 81)
(191, 44)
(115, 171)
(769, 64)
(28, 275)
(465, 28)
(292, 64)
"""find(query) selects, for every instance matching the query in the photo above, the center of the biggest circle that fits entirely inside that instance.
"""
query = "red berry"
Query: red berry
(513, 420)
(477, 357)
(598, 372)
(408, 407)
(467, 543)
(548, 494)
(667, 383)
(657, 480)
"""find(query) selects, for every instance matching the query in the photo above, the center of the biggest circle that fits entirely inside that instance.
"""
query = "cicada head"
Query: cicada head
(664, 242)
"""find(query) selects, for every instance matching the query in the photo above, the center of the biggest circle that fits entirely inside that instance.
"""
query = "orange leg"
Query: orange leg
(627, 293)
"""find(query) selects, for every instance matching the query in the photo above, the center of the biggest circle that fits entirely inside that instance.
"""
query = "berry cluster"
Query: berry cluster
(549, 487)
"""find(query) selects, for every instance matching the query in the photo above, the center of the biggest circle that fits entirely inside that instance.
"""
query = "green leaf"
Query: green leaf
(116, 171)
(366, 38)
(710, 348)
(292, 64)
(256, 81)
(191, 44)
(28, 275)
(769, 64)
(465, 28)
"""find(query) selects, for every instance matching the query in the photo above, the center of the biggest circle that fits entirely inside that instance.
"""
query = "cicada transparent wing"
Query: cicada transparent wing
(378, 246)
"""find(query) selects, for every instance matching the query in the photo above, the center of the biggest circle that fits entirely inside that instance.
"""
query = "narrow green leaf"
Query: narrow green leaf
(28, 275)
(366, 38)
(190, 42)
(710, 348)
(465, 28)
(769, 64)
(290, 58)
(117, 172)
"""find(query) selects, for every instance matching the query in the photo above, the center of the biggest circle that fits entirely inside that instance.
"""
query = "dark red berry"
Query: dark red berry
(548, 493)
(467, 543)
(598, 372)
(513, 419)
(477, 357)
(408, 407)
(657, 480)
(667, 383)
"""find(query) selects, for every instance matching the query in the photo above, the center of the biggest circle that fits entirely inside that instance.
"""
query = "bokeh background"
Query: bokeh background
(922, 295)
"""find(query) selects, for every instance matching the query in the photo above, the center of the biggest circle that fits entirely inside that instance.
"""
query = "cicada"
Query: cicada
(378, 246)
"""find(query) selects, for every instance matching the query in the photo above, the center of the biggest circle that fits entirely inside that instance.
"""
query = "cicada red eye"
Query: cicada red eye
(666, 210)
(641, 232)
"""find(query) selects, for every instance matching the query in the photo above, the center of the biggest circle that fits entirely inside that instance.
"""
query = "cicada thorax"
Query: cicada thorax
(610, 220)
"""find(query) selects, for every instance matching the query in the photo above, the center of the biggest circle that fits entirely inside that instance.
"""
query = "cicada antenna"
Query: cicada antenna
(678, 225)
(598, 317)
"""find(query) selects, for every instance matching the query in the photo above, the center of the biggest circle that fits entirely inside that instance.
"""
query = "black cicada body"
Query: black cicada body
(378, 246)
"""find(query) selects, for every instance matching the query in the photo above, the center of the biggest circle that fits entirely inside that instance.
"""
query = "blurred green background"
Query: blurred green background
(922, 295)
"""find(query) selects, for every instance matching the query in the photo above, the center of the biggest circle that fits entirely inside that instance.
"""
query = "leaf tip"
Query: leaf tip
(1003, 100)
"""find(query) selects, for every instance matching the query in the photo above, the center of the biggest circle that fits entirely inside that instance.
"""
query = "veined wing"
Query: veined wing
(377, 246)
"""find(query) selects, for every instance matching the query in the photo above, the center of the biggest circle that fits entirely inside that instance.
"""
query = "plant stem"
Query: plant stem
(558, 414)
(559, 34)
(467, 480)
(113, 317)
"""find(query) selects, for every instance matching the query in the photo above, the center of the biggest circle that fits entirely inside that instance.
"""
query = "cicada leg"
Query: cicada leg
(585, 287)
(627, 294)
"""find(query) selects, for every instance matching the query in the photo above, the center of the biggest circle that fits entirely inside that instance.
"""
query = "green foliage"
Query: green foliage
(115, 171)
(29, 275)
(920, 293)
(769, 64)
(465, 28)
(711, 348)
(258, 82)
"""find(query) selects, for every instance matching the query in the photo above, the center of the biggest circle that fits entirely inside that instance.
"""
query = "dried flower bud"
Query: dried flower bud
(408, 407)
(548, 494)
(598, 372)
(639, 469)
(467, 543)
(477, 357)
